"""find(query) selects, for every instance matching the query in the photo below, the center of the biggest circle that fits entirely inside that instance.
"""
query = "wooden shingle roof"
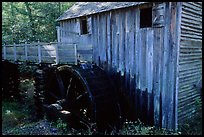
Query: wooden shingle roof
(87, 8)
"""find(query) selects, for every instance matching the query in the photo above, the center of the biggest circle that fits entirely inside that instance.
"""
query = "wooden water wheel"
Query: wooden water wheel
(84, 94)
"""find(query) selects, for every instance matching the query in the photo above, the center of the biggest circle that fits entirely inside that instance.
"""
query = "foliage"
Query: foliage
(62, 125)
(27, 70)
(138, 128)
(12, 114)
(31, 21)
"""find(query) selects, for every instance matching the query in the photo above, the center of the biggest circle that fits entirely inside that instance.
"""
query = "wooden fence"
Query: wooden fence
(55, 53)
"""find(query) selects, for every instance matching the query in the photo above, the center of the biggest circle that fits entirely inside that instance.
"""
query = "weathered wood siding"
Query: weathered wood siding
(145, 58)
(190, 59)
(69, 32)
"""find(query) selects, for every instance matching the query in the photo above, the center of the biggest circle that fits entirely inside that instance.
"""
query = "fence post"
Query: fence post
(57, 56)
(4, 50)
(26, 52)
(58, 33)
(75, 53)
(39, 53)
(14, 50)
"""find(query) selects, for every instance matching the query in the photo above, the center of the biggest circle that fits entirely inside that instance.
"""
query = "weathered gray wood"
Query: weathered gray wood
(4, 52)
(114, 38)
(103, 42)
(58, 34)
(93, 39)
(131, 41)
(137, 46)
(26, 51)
(108, 41)
(117, 41)
(157, 73)
(57, 54)
(98, 39)
(150, 60)
(39, 54)
(14, 51)
(121, 42)
(142, 64)
(75, 54)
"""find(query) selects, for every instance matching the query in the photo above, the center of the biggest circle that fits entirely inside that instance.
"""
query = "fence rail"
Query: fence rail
(55, 53)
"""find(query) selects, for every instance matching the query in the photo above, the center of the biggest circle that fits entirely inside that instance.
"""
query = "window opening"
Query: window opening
(84, 27)
(146, 17)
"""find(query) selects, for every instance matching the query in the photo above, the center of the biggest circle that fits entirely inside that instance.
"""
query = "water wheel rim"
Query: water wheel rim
(74, 109)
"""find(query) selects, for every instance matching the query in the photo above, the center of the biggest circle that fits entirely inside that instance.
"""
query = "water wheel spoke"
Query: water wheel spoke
(61, 85)
(54, 96)
(81, 117)
(77, 99)
(80, 96)
(69, 85)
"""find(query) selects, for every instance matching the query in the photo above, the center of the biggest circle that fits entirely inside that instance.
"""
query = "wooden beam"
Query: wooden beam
(177, 41)
(14, 51)
(4, 51)
(39, 53)
(75, 53)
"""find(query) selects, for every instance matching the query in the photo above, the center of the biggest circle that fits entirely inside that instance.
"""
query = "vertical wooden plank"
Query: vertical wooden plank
(75, 54)
(165, 89)
(126, 50)
(94, 37)
(137, 47)
(26, 51)
(108, 52)
(149, 73)
(58, 34)
(131, 42)
(111, 51)
(113, 37)
(105, 44)
(157, 50)
(117, 41)
(121, 41)
(176, 87)
(67, 26)
(14, 52)
(102, 39)
(142, 64)
(98, 40)
(62, 32)
(160, 70)
(57, 54)
(171, 67)
(39, 53)
(4, 50)
(150, 60)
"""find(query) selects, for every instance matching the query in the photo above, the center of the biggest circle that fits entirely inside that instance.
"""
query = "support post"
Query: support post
(4, 50)
(57, 55)
(14, 50)
(39, 53)
(58, 34)
(75, 54)
(26, 51)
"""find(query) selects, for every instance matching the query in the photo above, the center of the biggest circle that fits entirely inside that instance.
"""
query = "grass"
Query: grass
(12, 114)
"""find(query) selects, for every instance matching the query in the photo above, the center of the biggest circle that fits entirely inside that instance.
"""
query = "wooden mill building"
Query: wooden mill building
(153, 51)
(156, 48)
